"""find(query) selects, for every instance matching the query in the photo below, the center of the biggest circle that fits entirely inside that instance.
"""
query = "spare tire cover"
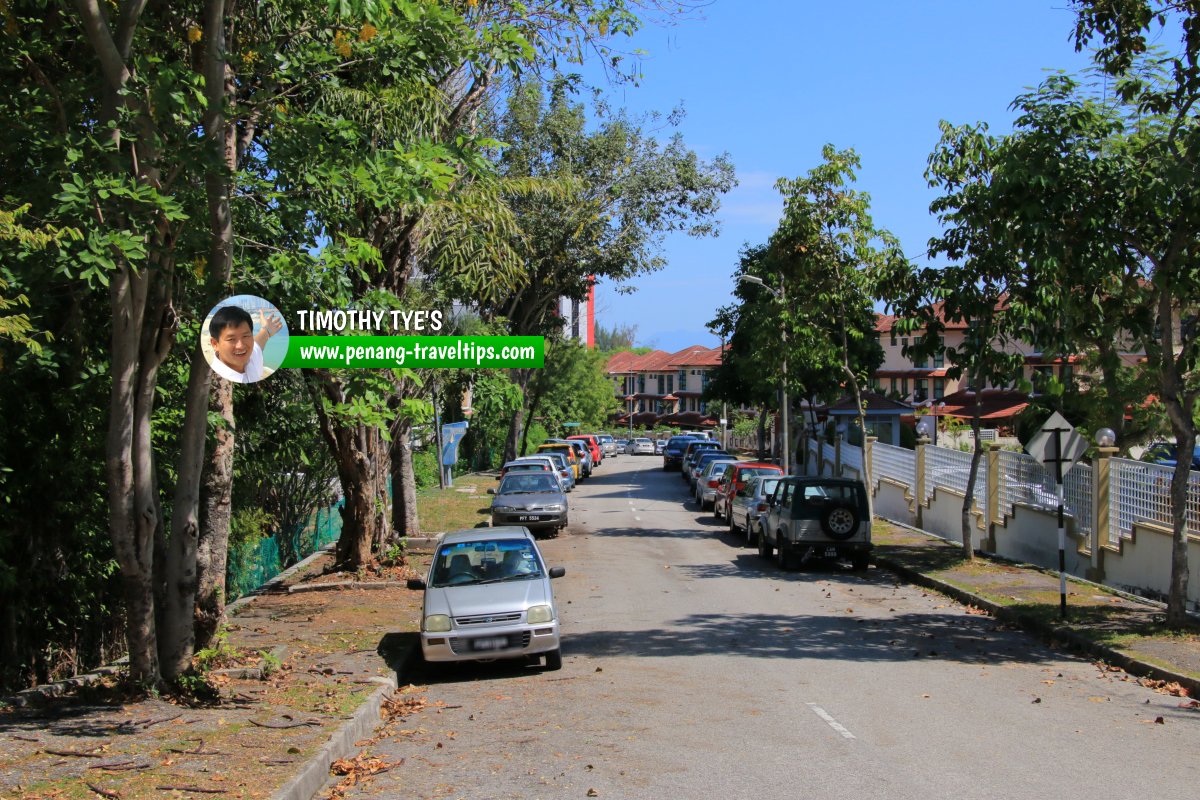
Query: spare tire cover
(839, 521)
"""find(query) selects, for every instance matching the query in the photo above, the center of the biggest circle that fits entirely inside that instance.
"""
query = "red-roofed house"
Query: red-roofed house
(663, 383)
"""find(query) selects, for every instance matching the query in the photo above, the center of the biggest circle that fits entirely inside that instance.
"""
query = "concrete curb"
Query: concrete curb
(337, 585)
(1045, 631)
(315, 773)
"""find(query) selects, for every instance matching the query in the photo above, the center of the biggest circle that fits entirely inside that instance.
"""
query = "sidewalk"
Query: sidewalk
(337, 642)
(1114, 627)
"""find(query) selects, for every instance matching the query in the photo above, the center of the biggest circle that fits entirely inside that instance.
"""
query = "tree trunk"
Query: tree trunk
(862, 426)
(762, 432)
(212, 549)
(357, 451)
(517, 423)
(194, 594)
(405, 521)
(1180, 404)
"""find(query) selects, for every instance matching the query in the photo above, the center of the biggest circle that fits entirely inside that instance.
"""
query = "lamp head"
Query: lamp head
(1106, 437)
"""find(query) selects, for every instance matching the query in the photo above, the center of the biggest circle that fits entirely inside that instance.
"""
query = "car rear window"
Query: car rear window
(747, 471)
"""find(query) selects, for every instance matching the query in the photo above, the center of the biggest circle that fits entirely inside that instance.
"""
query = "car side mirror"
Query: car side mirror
(415, 583)
(491, 490)
(557, 572)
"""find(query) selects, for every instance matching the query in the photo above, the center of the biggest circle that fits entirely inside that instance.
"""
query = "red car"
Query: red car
(593, 446)
(735, 478)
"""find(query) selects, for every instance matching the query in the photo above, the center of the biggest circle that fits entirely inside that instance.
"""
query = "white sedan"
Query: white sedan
(642, 447)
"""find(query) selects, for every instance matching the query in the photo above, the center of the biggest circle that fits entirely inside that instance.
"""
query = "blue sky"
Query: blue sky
(772, 82)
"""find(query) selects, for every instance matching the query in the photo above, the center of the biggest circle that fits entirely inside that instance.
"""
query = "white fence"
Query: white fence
(1130, 544)
(1141, 492)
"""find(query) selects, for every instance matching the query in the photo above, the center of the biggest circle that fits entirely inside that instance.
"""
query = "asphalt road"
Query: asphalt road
(692, 669)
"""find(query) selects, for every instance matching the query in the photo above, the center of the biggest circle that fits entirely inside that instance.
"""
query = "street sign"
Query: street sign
(1057, 445)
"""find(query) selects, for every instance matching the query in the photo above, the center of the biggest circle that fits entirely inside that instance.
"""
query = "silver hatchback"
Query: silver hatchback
(488, 596)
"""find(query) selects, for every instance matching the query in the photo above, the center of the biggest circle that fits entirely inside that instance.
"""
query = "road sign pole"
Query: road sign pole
(1062, 527)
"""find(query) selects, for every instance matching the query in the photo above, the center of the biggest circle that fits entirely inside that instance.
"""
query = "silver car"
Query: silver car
(608, 444)
(642, 447)
(706, 484)
(749, 507)
(488, 596)
(533, 499)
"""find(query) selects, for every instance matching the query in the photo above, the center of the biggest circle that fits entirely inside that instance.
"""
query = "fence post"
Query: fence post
(868, 465)
(991, 451)
(837, 456)
(1101, 522)
(919, 482)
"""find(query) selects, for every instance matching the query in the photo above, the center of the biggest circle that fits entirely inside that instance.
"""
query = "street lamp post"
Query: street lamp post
(781, 296)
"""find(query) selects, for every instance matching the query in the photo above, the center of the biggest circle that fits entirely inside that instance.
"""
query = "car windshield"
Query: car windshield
(485, 561)
(642, 441)
(528, 483)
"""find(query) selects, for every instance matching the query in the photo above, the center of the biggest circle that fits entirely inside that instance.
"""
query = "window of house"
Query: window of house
(893, 333)
(670, 384)
(939, 388)
(920, 390)
(904, 387)
(641, 384)
(703, 406)
(893, 386)
(939, 358)
(660, 385)
(683, 380)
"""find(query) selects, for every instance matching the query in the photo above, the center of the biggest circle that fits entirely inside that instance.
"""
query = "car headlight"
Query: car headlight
(556, 507)
(537, 615)
(437, 623)
(503, 509)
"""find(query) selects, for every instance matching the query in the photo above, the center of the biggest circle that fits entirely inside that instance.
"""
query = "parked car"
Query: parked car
(532, 499)
(622, 446)
(569, 452)
(705, 458)
(706, 484)
(558, 465)
(735, 478)
(562, 465)
(817, 518)
(1165, 454)
(594, 449)
(517, 465)
(608, 444)
(488, 595)
(581, 451)
(659, 446)
(692, 452)
(643, 447)
(748, 506)
(673, 451)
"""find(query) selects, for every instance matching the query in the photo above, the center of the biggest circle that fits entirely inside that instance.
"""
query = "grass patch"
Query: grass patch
(338, 698)
(442, 510)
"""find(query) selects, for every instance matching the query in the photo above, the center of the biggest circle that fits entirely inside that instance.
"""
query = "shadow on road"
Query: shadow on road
(908, 637)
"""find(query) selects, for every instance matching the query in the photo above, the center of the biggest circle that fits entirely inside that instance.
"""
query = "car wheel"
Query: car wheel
(716, 510)
(733, 529)
(781, 557)
(751, 534)
(764, 547)
(554, 659)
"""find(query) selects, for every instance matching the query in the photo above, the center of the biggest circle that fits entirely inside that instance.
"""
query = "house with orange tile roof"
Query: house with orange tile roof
(658, 384)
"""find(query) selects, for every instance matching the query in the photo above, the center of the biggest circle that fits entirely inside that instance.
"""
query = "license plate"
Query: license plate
(529, 518)
(490, 643)
(831, 552)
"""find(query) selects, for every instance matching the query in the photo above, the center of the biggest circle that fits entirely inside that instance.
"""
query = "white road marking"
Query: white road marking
(833, 723)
